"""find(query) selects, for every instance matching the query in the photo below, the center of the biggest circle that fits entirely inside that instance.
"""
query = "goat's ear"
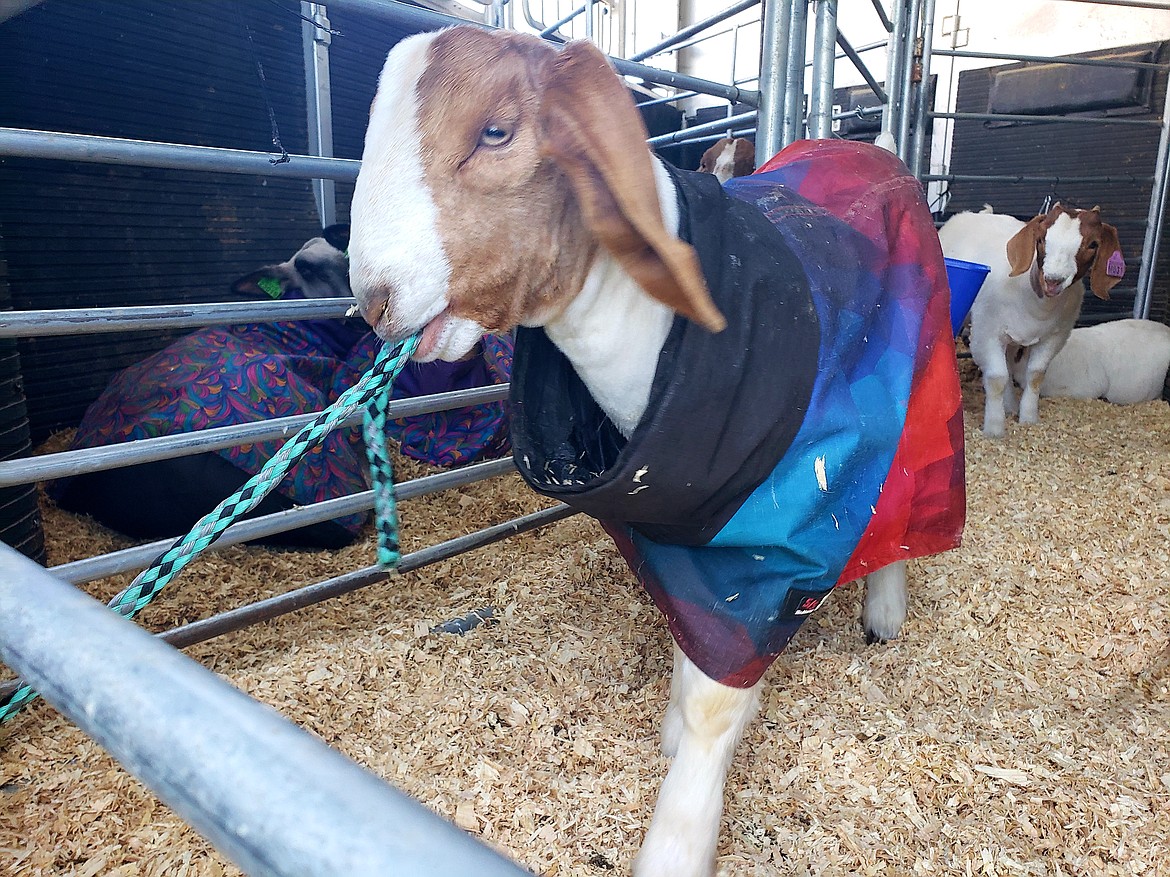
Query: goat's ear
(266, 282)
(1021, 249)
(594, 133)
(337, 235)
(745, 157)
(1101, 281)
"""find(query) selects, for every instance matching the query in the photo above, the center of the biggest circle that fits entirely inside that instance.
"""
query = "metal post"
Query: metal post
(271, 796)
(891, 118)
(923, 121)
(773, 63)
(1154, 218)
(820, 111)
(793, 128)
(315, 37)
(906, 86)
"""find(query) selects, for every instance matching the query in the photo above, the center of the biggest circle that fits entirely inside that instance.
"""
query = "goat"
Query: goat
(729, 158)
(318, 269)
(1032, 297)
(1122, 361)
(504, 183)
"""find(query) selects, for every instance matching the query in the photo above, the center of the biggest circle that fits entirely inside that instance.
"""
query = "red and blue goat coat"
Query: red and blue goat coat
(816, 439)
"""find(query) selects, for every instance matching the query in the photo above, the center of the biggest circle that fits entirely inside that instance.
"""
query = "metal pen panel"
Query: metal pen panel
(291, 601)
(425, 19)
(274, 798)
(140, 556)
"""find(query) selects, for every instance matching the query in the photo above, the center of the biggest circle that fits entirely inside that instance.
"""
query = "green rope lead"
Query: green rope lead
(371, 395)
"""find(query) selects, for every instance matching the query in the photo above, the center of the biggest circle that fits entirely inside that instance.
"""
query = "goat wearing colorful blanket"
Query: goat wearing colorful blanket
(754, 389)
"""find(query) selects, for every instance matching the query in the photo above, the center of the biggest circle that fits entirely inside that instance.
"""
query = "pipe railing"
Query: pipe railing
(24, 143)
(706, 128)
(273, 798)
(140, 556)
(697, 27)
(64, 464)
(87, 321)
(1050, 59)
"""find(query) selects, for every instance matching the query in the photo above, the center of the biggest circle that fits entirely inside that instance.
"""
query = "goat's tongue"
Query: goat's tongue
(431, 333)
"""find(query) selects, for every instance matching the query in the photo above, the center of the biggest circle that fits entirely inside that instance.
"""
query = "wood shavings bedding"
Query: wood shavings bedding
(1020, 725)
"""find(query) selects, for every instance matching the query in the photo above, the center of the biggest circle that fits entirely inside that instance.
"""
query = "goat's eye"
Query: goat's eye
(1092, 245)
(495, 135)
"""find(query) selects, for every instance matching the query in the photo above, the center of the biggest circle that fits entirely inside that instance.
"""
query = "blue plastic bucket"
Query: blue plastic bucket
(965, 279)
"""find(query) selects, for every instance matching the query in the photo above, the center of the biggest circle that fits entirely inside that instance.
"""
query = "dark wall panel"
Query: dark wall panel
(86, 235)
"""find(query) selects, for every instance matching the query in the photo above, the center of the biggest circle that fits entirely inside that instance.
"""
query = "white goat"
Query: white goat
(729, 158)
(1123, 361)
(1030, 300)
(504, 184)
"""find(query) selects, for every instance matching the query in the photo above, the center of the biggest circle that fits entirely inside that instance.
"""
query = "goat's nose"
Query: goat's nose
(372, 306)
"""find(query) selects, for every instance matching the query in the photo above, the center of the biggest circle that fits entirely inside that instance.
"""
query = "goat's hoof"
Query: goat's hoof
(875, 636)
(872, 637)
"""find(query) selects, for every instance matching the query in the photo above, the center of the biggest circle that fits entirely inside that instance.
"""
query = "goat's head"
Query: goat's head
(495, 169)
(319, 269)
(1065, 244)
(729, 158)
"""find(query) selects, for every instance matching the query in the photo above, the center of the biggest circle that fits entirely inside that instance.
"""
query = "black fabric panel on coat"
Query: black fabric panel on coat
(723, 407)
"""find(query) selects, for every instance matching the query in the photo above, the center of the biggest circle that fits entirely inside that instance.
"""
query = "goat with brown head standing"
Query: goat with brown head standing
(505, 183)
(1030, 301)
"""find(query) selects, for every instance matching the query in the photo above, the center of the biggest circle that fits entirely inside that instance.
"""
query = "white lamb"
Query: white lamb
(504, 183)
(1030, 301)
(1123, 361)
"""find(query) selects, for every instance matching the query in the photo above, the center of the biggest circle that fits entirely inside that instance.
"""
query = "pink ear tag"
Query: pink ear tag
(1115, 267)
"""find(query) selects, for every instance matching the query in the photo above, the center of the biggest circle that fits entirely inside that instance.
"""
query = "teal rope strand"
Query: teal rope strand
(371, 395)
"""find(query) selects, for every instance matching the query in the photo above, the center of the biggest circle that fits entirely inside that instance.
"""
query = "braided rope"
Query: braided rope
(371, 395)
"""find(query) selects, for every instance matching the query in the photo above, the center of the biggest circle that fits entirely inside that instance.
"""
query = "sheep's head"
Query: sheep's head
(494, 169)
(318, 269)
(729, 158)
(1064, 245)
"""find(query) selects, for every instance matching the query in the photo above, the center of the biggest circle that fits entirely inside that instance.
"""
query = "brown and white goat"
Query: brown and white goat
(729, 158)
(504, 183)
(1030, 301)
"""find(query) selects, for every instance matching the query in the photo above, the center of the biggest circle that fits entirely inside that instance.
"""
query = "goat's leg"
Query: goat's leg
(884, 612)
(994, 421)
(1019, 356)
(684, 831)
(1039, 357)
(672, 723)
(990, 354)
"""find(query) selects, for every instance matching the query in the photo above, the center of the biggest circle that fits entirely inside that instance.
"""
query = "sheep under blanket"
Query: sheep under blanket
(816, 439)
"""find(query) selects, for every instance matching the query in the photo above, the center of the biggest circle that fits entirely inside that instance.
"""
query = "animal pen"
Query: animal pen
(277, 801)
